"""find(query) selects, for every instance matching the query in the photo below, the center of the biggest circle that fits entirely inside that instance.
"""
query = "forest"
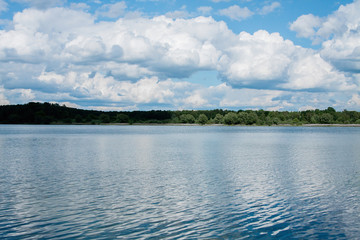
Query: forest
(49, 113)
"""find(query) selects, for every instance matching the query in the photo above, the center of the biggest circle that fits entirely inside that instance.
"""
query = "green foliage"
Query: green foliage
(272, 121)
(243, 117)
(78, 118)
(122, 118)
(296, 121)
(187, 118)
(202, 119)
(218, 119)
(247, 118)
(104, 118)
(325, 118)
(330, 110)
(231, 118)
(46, 113)
(252, 118)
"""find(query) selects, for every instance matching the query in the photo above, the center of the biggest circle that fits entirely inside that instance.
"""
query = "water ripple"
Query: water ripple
(192, 183)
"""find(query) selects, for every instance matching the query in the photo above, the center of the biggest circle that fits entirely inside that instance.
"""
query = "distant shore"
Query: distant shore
(189, 124)
(331, 125)
(47, 113)
(237, 125)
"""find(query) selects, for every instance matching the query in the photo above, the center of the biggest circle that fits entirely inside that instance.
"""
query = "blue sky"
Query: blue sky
(177, 54)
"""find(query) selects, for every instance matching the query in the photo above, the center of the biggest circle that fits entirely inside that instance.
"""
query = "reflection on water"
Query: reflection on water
(138, 182)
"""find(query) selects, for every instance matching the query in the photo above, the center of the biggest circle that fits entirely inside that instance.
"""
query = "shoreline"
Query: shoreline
(331, 125)
(192, 124)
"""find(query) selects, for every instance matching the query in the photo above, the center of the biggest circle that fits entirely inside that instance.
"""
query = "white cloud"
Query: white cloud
(355, 100)
(3, 99)
(114, 10)
(236, 13)
(305, 108)
(178, 14)
(100, 87)
(133, 48)
(204, 10)
(312, 72)
(3, 6)
(41, 4)
(148, 90)
(65, 54)
(261, 56)
(339, 34)
(249, 98)
(346, 19)
(68, 104)
(269, 8)
(195, 100)
(21, 95)
(264, 60)
(306, 26)
(79, 6)
(344, 51)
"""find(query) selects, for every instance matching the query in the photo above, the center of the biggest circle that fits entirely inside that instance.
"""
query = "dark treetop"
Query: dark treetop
(47, 113)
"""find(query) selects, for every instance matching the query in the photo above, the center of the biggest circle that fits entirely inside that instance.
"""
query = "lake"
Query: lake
(179, 182)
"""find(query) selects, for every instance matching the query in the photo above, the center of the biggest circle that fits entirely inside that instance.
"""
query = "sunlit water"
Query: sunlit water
(179, 182)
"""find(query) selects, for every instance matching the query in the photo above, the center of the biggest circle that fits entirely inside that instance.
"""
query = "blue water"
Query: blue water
(179, 182)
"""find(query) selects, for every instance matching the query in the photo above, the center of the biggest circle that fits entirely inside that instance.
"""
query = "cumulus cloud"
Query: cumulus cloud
(114, 10)
(346, 19)
(66, 54)
(178, 14)
(306, 26)
(204, 10)
(105, 88)
(3, 6)
(41, 4)
(313, 72)
(3, 99)
(269, 8)
(355, 100)
(265, 60)
(344, 51)
(79, 6)
(133, 48)
(236, 13)
(339, 34)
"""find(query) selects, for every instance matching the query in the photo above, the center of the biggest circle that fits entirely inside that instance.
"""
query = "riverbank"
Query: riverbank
(46, 113)
(194, 124)
(237, 125)
(331, 125)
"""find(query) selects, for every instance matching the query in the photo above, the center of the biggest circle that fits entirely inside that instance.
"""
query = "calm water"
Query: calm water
(179, 182)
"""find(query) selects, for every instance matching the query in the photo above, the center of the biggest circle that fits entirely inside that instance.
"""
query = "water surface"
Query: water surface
(179, 182)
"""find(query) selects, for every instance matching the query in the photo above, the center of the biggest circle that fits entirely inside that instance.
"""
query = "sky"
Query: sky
(286, 55)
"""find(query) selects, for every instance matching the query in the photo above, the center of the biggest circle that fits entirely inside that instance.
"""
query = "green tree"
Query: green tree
(187, 118)
(243, 117)
(104, 118)
(202, 119)
(330, 110)
(315, 119)
(231, 118)
(252, 118)
(326, 118)
(78, 118)
(271, 121)
(218, 119)
(122, 118)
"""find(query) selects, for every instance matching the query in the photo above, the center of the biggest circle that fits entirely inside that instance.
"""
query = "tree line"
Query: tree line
(48, 113)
